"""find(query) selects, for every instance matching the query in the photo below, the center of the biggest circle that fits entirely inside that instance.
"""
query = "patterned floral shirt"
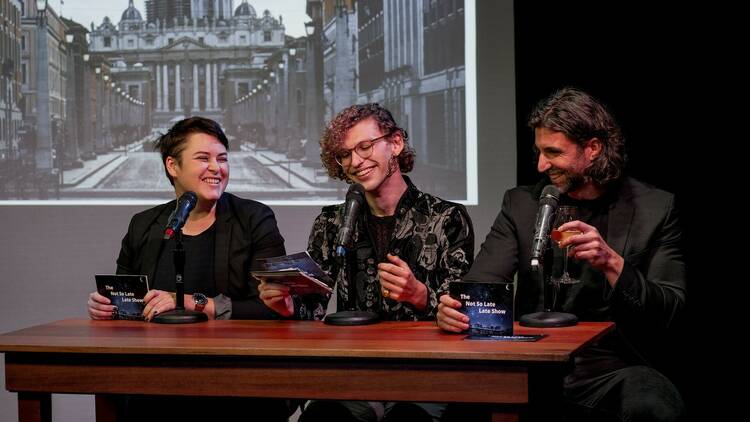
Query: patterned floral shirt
(435, 237)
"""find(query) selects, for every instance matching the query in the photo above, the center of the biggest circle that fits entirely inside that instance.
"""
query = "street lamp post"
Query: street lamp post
(296, 113)
(88, 142)
(100, 109)
(59, 153)
(107, 115)
(43, 153)
(314, 76)
(72, 152)
(115, 107)
(283, 107)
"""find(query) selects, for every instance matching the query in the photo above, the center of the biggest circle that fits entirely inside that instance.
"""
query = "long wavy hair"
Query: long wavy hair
(580, 117)
(333, 137)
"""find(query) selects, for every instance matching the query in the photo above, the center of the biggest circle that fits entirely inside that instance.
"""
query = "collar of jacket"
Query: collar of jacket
(619, 195)
(410, 199)
(155, 242)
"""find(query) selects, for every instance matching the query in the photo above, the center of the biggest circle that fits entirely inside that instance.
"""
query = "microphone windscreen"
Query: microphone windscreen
(550, 195)
(356, 192)
(191, 197)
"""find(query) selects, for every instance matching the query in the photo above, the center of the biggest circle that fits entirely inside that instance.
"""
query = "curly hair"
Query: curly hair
(333, 137)
(172, 143)
(581, 117)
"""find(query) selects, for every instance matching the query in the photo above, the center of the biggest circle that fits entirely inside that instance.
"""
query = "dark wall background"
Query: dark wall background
(641, 60)
(631, 56)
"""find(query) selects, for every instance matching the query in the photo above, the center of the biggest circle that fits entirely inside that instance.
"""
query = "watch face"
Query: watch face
(200, 299)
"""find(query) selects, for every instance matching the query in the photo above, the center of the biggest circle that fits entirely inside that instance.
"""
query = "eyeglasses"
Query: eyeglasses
(363, 149)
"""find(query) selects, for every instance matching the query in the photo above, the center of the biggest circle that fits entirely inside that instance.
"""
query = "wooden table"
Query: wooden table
(412, 361)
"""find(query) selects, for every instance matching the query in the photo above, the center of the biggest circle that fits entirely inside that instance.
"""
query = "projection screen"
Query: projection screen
(271, 73)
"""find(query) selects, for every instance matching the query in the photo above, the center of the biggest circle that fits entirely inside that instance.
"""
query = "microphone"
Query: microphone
(355, 198)
(547, 205)
(179, 216)
(546, 318)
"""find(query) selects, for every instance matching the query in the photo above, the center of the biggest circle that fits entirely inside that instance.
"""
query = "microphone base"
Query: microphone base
(352, 318)
(180, 316)
(548, 320)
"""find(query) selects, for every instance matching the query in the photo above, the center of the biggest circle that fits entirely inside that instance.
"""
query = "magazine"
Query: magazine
(298, 271)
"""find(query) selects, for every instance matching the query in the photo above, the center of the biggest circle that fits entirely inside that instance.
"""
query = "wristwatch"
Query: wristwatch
(200, 301)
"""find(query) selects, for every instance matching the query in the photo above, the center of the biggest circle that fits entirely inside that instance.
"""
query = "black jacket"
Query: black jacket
(642, 226)
(245, 231)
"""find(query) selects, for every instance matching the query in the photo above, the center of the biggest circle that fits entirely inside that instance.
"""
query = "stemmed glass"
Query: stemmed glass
(565, 214)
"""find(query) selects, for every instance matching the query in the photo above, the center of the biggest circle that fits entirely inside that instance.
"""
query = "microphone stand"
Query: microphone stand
(179, 315)
(350, 316)
(547, 318)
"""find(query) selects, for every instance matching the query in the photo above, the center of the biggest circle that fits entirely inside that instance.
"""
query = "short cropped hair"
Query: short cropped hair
(172, 143)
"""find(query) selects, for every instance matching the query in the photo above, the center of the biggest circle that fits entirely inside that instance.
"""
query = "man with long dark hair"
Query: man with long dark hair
(628, 260)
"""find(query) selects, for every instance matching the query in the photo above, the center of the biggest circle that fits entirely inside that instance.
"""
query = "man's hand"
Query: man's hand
(397, 282)
(276, 297)
(590, 247)
(448, 316)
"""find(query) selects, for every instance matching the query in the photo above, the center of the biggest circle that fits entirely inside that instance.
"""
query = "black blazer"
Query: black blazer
(245, 231)
(643, 227)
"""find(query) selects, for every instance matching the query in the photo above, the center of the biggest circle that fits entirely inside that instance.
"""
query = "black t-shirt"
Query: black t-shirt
(199, 264)
(584, 299)
(589, 299)
(381, 232)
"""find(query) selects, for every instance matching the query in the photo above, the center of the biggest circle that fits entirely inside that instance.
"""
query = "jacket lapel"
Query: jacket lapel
(619, 222)
(221, 245)
(155, 242)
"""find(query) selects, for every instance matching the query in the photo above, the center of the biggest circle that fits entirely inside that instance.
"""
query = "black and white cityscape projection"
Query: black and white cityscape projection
(82, 125)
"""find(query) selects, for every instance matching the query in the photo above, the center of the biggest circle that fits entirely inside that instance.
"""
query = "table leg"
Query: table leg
(34, 407)
(504, 416)
(106, 408)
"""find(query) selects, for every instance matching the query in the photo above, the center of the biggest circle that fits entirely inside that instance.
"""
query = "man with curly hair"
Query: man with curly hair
(408, 245)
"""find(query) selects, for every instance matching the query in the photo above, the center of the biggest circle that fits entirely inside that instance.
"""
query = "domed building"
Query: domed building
(244, 10)
(193, 54)
(131, 18)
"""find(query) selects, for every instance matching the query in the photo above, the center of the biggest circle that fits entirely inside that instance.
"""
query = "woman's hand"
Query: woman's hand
(100, 307)
(158, 302)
